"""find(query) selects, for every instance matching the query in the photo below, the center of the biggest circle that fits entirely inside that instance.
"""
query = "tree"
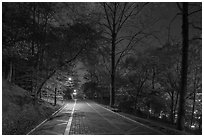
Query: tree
(37, 46)
(168, 74)
(184, 67)
(15, 26)
(75, 41)
(117, 15)
(194, 81)
(137, 76)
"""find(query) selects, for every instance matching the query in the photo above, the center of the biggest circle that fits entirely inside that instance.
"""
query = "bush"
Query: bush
(126, 106)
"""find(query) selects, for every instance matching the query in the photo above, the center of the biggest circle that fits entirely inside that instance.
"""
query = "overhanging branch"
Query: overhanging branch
(54, 71)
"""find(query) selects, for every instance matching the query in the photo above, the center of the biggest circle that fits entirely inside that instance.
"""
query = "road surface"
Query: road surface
(87, 117)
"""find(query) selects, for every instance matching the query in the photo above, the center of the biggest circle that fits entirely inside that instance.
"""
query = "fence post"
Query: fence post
(55, 97)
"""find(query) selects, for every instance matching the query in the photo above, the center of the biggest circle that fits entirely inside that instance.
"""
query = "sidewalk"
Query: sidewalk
(56, 124)
(78, 125)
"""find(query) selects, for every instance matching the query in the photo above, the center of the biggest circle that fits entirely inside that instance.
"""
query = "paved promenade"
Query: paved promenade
(89, 118)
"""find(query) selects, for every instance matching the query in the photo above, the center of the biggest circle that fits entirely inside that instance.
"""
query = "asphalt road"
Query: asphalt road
(87, 117)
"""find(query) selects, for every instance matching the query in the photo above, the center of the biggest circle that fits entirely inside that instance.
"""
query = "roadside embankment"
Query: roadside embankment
(19, 113)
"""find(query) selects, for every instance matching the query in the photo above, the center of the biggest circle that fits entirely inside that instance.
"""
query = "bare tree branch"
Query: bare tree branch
(107, 17)
(193, 12)
(109, 7)
(54, 71)
(169, 26)
(195, 5)
(145, 4)
(125, 19)
(120, 39)
(114, 18)
(122, 13)
(132, 39)
(196, 27)
(131, 14)
(195, 38)
(179, 6)
(106, 26)
(157, 39)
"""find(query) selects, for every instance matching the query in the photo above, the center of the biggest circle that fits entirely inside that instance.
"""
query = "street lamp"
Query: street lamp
(69, 78)
(74, 93)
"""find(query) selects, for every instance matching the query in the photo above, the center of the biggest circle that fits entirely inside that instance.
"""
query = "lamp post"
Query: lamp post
(74, 93)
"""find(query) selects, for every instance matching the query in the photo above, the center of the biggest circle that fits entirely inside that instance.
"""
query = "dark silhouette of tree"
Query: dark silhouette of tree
(184, 67)
(117, 15)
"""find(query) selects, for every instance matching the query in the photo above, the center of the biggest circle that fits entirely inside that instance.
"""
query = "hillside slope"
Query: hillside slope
(19, 114)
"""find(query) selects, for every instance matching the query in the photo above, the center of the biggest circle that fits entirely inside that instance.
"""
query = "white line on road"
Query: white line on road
(130, 119)
(59, 110)
(67, 130)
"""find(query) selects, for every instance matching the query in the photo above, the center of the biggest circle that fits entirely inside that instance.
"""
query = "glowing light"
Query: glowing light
(74, 90)
(69, 78)
(195, 111)
(192, 126)
(74, 93)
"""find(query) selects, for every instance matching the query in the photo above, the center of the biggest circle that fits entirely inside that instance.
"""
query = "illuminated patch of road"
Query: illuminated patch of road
(67, 130)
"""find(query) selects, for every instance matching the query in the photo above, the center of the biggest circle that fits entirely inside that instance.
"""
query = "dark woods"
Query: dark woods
(130, 63)
(36, 45)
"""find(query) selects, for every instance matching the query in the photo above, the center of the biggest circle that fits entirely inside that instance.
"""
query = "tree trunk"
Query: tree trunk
(40, 95)
(135, 103)
(192, 113)
(112, 98)
(9, 76)
(13, 78)
(194, 98)
(136, 98)
(113, 67)
(175, 106)
(33, 52)
(153, 77)
(184, 69)
(172, 108)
